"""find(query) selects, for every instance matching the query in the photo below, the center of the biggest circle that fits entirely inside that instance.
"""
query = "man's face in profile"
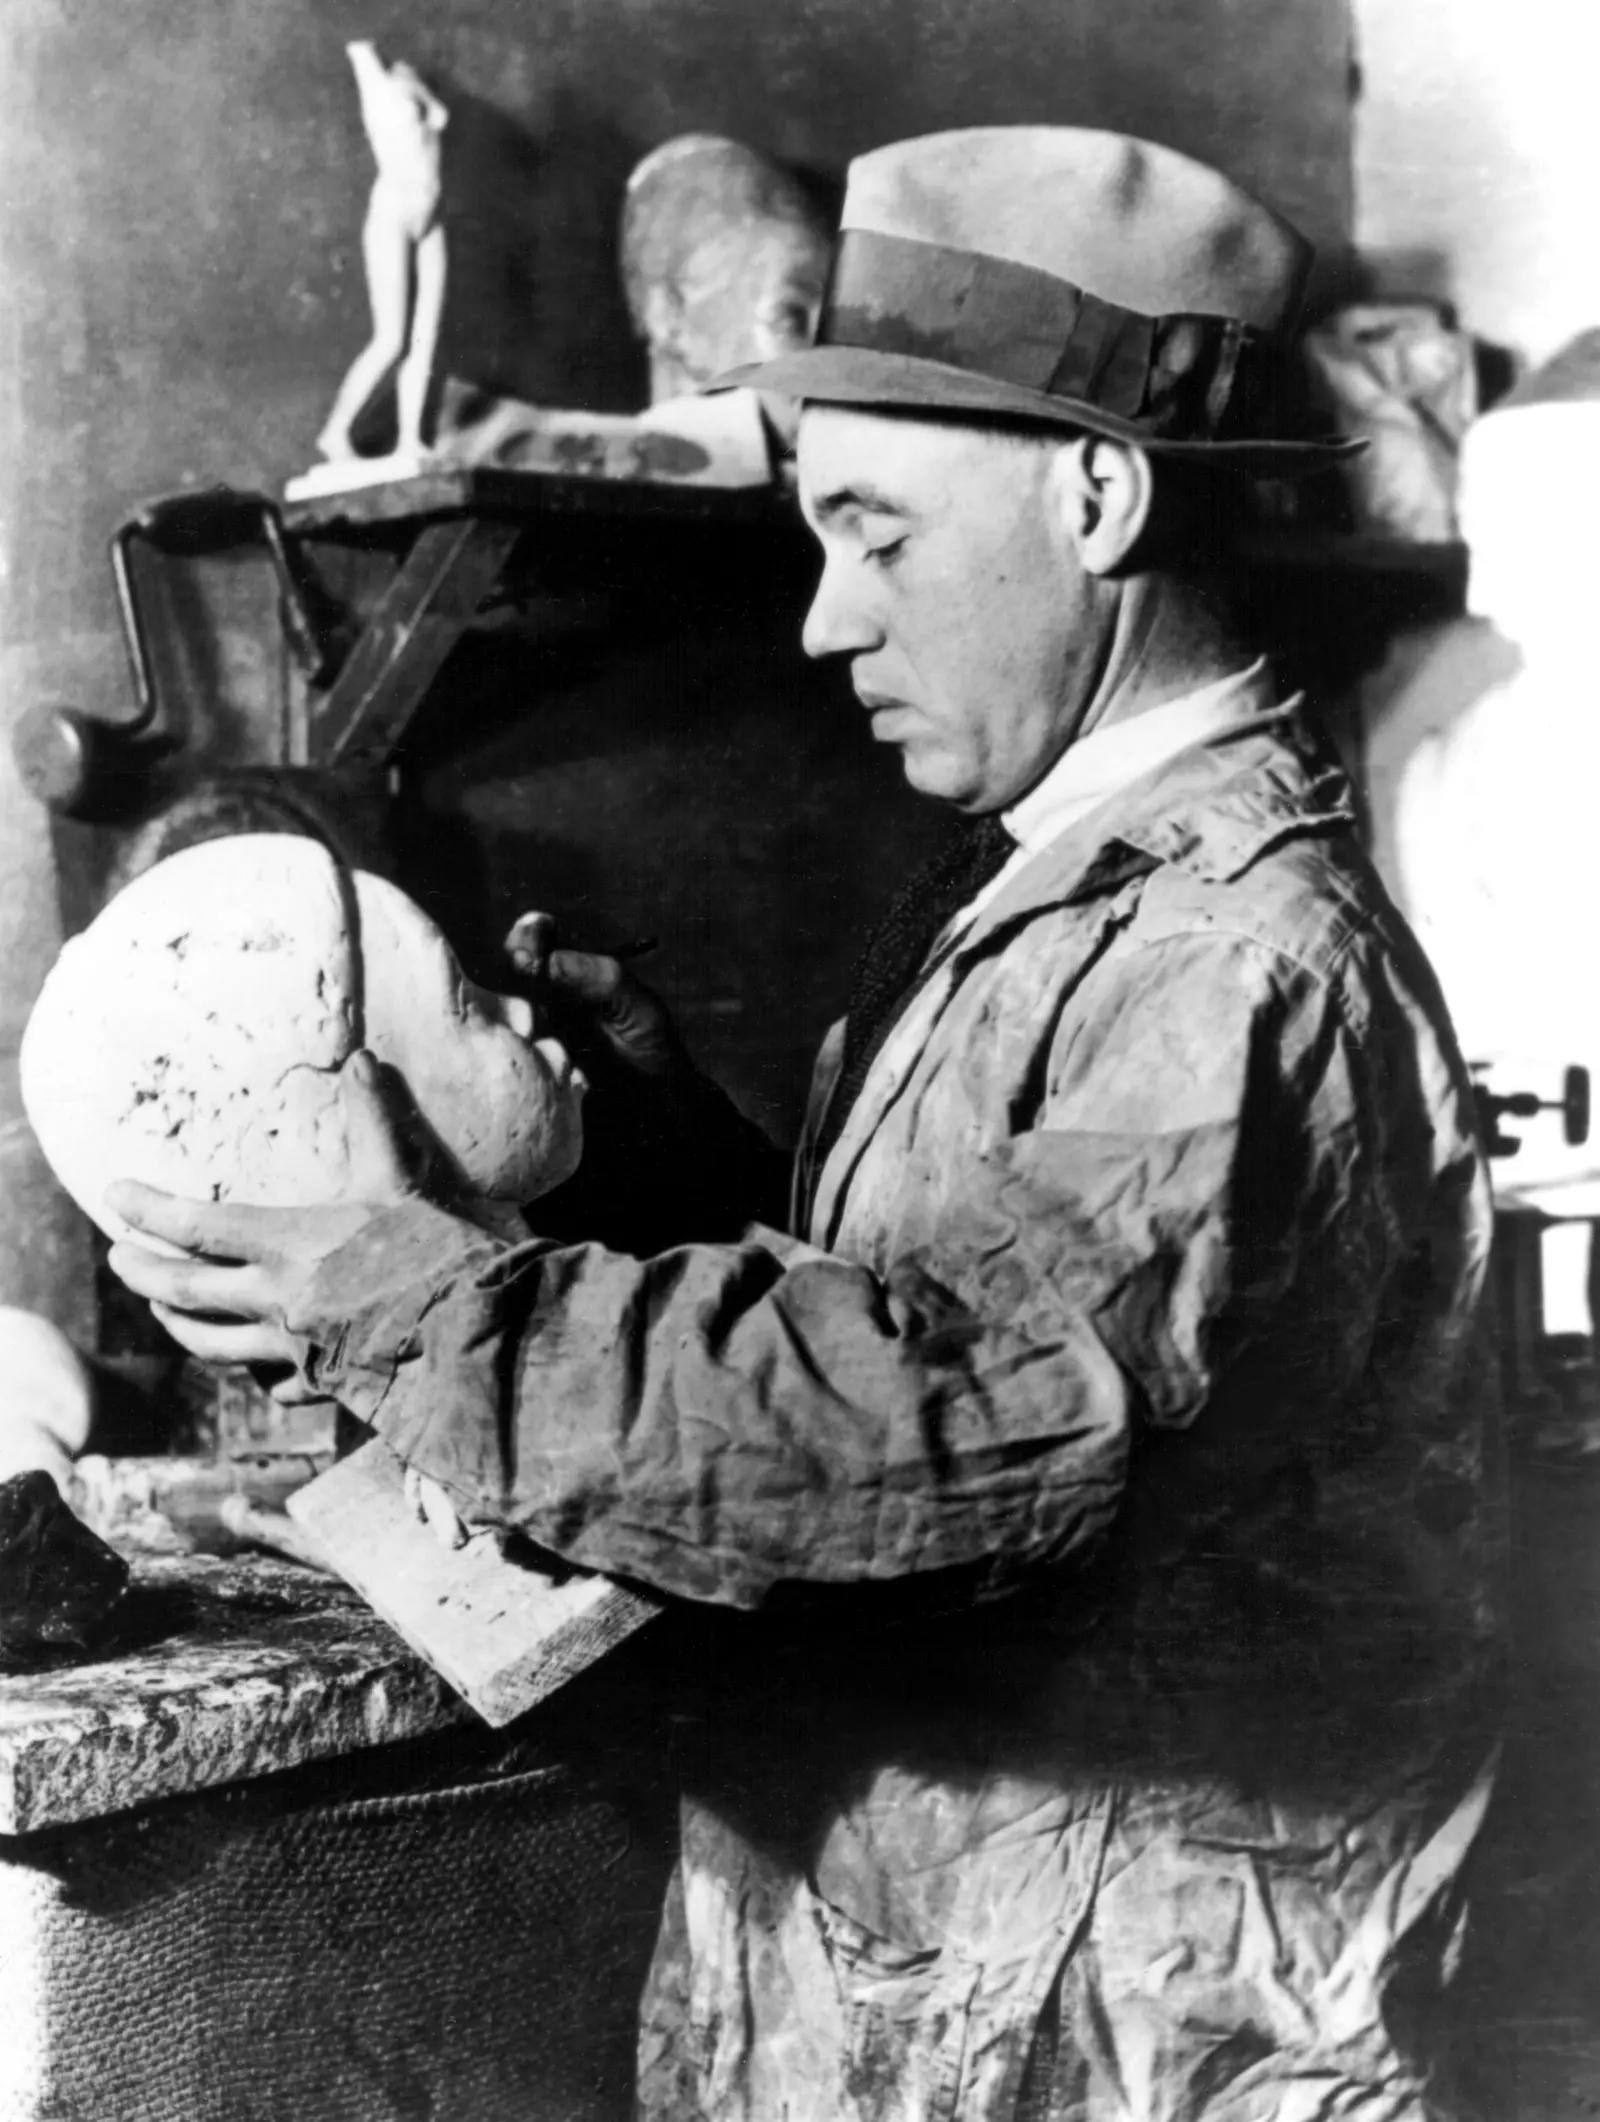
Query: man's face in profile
(952, 585)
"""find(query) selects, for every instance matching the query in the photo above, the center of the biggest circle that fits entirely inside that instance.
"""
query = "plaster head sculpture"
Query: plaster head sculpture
(724, 260)
(192, 1037)
(1403, 379)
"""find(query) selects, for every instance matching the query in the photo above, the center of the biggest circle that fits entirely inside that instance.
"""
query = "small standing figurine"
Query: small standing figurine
(403, 248)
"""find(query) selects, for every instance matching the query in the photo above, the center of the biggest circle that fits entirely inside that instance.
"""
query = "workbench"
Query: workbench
(261, 1862)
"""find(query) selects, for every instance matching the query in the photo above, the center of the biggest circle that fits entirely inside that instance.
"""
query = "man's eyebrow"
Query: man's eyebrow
(871, 498)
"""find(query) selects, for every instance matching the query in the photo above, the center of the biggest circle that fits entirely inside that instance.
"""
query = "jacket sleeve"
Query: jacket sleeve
(720, 1421)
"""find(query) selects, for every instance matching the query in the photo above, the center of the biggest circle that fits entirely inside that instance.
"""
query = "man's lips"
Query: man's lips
(884, 710)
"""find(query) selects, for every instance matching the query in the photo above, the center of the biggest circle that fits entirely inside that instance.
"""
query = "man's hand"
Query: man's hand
(602, 1011)
(246, 1271)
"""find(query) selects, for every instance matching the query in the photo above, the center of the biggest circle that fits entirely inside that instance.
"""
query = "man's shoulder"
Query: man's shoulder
(1310, 898)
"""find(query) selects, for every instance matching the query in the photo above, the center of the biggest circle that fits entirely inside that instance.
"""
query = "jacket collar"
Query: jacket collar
(1212, 809)
(1095, 769)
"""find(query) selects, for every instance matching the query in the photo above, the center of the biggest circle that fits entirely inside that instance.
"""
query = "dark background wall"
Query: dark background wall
(183, 182)
(181, 189)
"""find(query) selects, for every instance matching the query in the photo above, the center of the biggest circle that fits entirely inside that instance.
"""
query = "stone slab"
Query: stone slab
(228, 1669)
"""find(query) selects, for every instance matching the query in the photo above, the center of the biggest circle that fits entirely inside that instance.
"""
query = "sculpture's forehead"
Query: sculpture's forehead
(194, 1034)
(698, 188)
(225, 954)
(249, 892)
(266, 899)
(212, 968)
(740, 262)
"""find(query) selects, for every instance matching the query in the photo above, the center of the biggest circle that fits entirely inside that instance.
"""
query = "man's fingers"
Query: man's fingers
(221, 1341)
(221, 1230)
(530, 942)
(293, 1390)
(272, 1528)
(595, 1005)
(190, 1285)
(597, 982)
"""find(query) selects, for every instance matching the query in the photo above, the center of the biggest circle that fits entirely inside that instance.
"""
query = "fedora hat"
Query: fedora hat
(1062, 276)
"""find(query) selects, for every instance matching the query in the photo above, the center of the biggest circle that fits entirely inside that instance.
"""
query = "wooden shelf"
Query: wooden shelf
(522, 496)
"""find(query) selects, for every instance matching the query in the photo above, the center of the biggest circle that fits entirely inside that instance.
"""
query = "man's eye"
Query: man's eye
(886, 554)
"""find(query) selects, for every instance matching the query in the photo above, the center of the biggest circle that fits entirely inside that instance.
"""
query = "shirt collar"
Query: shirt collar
(1213, 808)
(1100, 765)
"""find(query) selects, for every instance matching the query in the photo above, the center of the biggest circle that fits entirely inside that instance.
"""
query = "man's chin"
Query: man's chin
(932, 774)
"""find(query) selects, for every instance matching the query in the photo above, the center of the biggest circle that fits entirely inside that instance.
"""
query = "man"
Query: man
(1099, 1459)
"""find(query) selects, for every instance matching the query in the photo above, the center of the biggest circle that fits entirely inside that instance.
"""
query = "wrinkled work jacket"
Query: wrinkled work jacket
(1106, 1467)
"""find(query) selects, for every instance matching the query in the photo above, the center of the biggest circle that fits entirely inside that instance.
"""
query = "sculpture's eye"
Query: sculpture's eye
(788, 323)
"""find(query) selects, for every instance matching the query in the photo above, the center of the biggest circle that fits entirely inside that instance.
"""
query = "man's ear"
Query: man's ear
(1104, 494)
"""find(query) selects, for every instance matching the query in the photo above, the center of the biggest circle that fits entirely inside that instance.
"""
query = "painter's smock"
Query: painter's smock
(1106, 1466)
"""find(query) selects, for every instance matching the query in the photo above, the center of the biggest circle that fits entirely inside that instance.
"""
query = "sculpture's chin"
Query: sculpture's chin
(535, 1161)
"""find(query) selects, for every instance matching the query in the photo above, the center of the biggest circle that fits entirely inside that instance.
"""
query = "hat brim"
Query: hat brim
(853, 375)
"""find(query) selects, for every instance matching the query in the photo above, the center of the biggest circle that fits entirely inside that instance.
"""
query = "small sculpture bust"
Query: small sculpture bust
(192, 1037)
(724, 260)
(1401, 378)
(402, 248)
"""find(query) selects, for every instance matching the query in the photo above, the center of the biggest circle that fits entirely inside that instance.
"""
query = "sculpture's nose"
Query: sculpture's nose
(517, 1011)
(514, 1011)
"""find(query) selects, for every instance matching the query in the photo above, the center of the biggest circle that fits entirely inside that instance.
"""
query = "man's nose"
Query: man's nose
(838, 623)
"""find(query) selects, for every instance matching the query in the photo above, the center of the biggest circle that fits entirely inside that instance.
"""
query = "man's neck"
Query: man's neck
(1169, 638)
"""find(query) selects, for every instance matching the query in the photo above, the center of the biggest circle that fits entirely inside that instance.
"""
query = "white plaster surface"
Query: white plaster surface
(1493, 853)
(193, 1037)
(1477, 160)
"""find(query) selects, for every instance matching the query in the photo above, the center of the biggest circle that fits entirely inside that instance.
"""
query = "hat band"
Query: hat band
(1184, 377)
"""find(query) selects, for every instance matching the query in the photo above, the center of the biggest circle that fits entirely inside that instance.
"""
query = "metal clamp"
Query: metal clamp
(1574, 1106)
(82, 765)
